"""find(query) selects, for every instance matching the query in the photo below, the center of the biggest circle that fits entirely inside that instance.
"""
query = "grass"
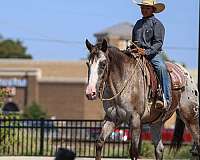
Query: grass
(147, 151)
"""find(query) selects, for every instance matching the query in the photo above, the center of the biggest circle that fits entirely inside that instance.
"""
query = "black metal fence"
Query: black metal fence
(27, 137)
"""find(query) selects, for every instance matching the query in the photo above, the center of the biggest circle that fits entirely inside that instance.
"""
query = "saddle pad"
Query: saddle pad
(176, 74)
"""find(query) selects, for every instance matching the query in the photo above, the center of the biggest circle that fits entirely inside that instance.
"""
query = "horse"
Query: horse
(119, 81)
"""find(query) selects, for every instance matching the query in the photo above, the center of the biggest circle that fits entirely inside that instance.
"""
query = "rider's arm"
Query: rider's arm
(136, 32)
(157, 41)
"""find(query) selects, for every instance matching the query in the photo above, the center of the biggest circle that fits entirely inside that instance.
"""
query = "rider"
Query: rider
(148, 34)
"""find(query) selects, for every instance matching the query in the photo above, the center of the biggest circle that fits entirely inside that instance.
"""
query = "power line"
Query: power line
(45, 38)
(82, 42)
(67, 42)
(59, 41)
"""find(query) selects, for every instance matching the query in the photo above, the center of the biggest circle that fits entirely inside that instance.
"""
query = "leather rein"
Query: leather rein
(102, 88)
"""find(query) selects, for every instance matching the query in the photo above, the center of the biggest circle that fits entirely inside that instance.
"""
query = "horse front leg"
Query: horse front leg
(135, 128)
(107, 129)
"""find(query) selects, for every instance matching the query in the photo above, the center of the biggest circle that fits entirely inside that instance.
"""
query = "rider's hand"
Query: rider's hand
(141, 51)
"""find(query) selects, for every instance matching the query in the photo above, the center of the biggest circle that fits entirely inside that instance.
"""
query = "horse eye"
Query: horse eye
(102, 64)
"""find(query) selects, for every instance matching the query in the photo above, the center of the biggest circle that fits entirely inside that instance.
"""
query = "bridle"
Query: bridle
(103, 83)
(103, 80)
(105, 76)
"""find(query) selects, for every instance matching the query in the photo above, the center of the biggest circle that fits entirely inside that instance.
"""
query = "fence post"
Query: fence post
(41, 136)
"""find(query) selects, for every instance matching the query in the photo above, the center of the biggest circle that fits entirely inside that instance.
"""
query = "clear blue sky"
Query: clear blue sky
(56, 29)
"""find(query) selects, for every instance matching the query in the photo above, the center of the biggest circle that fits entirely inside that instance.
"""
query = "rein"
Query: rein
(122, 89)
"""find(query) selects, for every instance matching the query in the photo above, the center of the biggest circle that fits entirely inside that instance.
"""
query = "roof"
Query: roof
(48, 69)
(122, 30)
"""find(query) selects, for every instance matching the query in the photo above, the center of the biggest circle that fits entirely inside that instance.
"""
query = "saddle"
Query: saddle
(176, 75)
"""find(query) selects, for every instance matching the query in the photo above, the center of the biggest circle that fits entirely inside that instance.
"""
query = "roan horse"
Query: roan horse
(120, 80)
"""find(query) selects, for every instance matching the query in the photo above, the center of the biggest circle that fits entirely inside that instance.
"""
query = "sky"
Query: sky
(57, 29)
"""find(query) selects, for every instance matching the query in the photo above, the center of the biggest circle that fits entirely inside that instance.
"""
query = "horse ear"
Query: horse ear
(104, 45)
(88, 45)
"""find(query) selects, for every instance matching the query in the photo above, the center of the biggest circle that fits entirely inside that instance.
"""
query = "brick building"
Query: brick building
(58, 86)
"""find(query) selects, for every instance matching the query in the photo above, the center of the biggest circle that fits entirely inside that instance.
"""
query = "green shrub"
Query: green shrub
(34, 111)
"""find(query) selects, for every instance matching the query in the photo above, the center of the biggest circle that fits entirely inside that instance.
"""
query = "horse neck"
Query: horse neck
(120, 68)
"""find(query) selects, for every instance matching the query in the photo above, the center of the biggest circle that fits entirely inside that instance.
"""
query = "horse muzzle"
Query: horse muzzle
(91, 92)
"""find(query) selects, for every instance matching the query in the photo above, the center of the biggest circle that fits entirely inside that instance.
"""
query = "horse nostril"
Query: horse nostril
(93, 93)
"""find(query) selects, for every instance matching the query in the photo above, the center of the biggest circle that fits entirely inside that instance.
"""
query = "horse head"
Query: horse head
(97, 68)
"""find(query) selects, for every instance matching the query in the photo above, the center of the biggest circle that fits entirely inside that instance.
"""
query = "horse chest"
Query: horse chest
(117, 114)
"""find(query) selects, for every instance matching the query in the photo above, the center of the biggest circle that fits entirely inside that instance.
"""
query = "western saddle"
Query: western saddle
(176, 73)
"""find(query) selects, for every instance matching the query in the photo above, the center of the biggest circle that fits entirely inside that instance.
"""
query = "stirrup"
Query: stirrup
(166, 103)
(159, 104)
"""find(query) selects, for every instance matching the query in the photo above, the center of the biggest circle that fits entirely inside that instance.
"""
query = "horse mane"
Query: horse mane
(118, 59)
(118, 55)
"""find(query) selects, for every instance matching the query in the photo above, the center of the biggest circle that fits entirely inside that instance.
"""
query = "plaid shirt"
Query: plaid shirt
(149, 34)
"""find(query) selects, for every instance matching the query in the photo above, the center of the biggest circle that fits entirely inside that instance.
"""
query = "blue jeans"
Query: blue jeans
(163, 75)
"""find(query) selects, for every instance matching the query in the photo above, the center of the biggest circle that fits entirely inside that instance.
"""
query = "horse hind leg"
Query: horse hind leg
(107, 129)
(191, 119)
(157, 141)
(195, 134)
(193, 126)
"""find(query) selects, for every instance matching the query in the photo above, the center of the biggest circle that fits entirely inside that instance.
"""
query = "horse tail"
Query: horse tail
(178, 134)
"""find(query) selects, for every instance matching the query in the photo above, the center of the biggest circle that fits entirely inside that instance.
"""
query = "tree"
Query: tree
(13, 49)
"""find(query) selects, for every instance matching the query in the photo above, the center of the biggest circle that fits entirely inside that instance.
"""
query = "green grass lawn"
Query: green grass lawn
(147, 151)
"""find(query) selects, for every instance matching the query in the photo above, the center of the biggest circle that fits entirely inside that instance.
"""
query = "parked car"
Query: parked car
(121, 134)
(167, 135)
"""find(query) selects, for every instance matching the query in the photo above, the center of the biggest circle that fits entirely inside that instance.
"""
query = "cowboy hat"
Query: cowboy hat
(159, 7)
